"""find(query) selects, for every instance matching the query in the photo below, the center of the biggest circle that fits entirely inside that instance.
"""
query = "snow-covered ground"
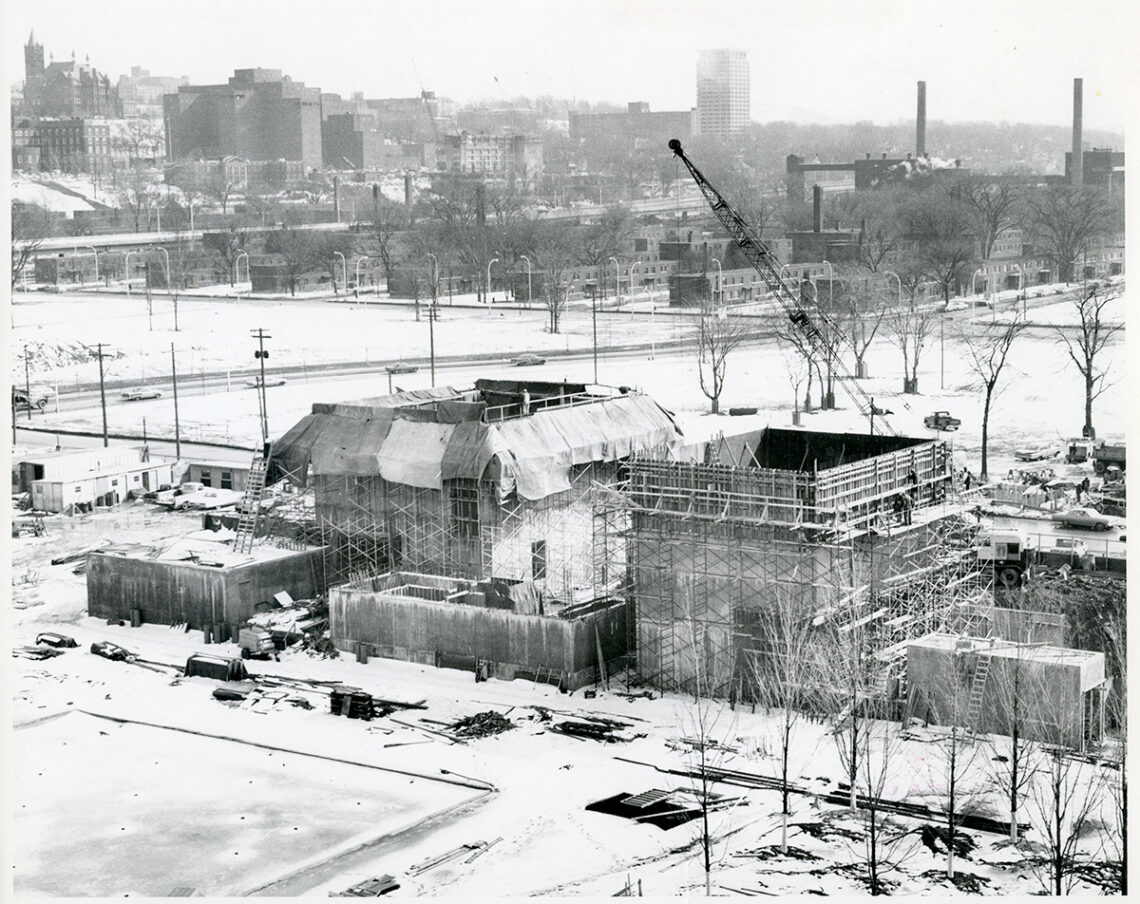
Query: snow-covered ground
(549, 843)
(188, 799)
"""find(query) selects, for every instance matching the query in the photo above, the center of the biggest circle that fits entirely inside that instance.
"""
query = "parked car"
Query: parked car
(208, 498)
(528, 360)
(401, 367)
(23, 400)
(112, 651)
(956, 306)
(51, 639)
(171, 497)
(1083, 517)
(139, 393)
(255, 383)
(941, 420)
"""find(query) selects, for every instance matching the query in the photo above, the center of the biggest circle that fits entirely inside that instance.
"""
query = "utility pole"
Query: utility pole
(431, 339)
(177, 432)
(261, 354)
(28, 384)
(102, 391)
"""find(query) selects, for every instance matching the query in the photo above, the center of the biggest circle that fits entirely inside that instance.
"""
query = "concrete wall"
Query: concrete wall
(1052, 693)
(196, 594)
(422, 631)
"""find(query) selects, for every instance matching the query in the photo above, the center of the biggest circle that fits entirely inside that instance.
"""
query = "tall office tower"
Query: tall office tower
(723, 101)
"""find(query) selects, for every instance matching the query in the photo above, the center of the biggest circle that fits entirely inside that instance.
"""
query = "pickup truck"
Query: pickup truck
(23, 400)
(941, 420)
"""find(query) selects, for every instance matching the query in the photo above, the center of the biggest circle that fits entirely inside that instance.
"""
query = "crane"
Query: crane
(768, 266)
(427, 106)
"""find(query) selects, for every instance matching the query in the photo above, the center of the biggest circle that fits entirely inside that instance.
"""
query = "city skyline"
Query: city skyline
(808, 63)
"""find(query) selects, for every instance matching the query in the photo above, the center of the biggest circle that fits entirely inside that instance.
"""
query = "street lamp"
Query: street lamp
(356, 284)
(973, 282)
(127, 270)
(529, 294)
(652, 323)
(493, 260)
(158, 215)
(166, 255)
(899, 281)
(719, 280)
(191, 203)
(1021, 290)
(830, 286)
(632, 269)
(617, 279)
(237, 268)
(96, 253)
(343, 272)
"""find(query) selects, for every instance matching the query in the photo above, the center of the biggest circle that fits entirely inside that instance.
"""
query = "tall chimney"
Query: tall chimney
(336, 196)
(920, 128)
(408, 190)
(816, 208)
(1077, 170)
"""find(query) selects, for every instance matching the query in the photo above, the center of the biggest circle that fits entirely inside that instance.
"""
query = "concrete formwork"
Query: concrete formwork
(184, 592)
(445, 621)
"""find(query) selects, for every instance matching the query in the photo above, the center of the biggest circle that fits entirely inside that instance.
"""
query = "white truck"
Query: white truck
(1006, 550)
(256, 643)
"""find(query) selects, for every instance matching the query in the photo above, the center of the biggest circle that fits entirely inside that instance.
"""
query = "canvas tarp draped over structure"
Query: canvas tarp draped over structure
(533, 454)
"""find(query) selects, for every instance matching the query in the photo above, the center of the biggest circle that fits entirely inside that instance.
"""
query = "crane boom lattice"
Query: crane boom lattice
(766, 264)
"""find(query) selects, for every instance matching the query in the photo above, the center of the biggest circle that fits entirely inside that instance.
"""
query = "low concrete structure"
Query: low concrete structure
(65, 480)
(1060, 690)
(494, 628)
(197, 580)
(225, 475)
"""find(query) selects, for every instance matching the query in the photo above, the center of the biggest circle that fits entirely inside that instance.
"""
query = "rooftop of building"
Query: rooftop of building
(525, 436)
(1006, 649)
(202, 549)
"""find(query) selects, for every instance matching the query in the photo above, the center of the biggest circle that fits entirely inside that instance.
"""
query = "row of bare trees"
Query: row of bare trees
(802, 669)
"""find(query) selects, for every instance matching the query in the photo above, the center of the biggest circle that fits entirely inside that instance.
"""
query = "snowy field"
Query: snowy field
(1039, 401)
(545, 841)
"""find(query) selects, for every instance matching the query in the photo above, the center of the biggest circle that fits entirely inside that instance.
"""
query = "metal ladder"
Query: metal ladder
(978, 687)
(251, 505)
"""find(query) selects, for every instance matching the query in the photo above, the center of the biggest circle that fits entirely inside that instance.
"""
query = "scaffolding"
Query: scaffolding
(710, 543)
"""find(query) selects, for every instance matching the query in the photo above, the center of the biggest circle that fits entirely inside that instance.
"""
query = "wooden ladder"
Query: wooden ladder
(978, 687)
(251, 504)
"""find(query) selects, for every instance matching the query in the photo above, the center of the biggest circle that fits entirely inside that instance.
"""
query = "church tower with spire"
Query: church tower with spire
(33, 58)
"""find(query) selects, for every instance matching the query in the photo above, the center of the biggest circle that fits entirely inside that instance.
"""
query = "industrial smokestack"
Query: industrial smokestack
(816, 208)
(1077, 167)
(920, 128)
(336, 196)
(408, 190)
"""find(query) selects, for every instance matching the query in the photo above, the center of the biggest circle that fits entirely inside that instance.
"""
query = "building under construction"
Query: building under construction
(859, 530)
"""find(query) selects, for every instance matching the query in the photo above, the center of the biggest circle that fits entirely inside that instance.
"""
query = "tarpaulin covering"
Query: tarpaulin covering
(532, 455)
(545, 446)
(413, 452)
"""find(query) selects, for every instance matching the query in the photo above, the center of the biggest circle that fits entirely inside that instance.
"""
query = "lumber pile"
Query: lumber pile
(482, 725)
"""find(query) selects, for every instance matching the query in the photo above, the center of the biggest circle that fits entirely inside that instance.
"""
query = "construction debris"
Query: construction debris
(370, 888)
(472, 850)
(482, 725)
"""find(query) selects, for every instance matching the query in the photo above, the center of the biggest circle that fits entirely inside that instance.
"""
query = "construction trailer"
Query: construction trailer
(507, 480)
(493, 628)
(975, 682)
(816, 518)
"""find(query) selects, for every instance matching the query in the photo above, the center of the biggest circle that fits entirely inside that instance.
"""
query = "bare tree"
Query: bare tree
(555, 251)
(605, 239)
(388, 218)
(1093, 333)
(718, 335)
(1066, 797)
(783, 668)
(941, 225)
(798, 370)
(986, 354)
(228, 245)
(805, 351)
(1066, 222)
(909, 328)
(992, 204)
(30, 225)
(331, 253)
(886, 845)
(1011, 766)
(295, 247)
(863, 304)
(955, 766)
(137, 194)
(706, 723)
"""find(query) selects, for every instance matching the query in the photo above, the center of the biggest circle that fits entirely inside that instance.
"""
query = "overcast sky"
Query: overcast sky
(812, 61)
